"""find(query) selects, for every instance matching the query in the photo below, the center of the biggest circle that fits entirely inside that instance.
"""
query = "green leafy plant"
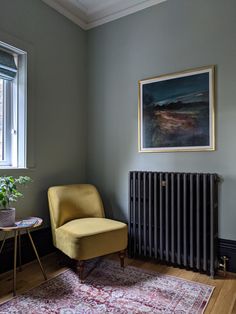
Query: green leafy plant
(9, 189)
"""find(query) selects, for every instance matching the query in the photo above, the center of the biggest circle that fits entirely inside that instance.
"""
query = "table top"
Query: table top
(26, 223)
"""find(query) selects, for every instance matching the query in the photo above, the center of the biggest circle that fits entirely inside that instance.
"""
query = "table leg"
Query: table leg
(15, 260)
(3, 242)
(19, 245)
(36, 253)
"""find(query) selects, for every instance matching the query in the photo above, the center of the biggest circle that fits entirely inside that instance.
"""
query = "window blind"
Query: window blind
(8, 67)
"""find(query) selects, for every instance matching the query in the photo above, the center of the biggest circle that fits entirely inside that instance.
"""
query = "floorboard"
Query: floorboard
(223, 300)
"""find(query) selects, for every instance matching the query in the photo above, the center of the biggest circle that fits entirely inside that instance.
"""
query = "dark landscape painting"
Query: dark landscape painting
(176, 112)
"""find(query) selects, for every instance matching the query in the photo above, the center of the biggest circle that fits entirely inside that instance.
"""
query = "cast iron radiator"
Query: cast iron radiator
(173, 217)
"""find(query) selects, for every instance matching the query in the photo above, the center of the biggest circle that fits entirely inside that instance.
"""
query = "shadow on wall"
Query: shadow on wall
(113, 210)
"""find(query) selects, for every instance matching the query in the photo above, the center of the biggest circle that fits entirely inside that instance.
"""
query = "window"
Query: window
(13, 96)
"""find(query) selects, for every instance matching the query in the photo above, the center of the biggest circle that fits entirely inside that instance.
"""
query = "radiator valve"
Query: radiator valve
(223, 264)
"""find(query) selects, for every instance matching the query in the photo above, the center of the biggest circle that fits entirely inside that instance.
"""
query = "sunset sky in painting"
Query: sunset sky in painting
(167, 90)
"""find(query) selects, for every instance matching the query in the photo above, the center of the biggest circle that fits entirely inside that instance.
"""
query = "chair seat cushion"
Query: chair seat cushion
(86, 238)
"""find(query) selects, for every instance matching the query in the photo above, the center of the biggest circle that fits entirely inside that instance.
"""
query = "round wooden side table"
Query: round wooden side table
(27, 225)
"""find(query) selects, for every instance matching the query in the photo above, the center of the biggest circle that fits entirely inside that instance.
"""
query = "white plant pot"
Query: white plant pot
(7, 217)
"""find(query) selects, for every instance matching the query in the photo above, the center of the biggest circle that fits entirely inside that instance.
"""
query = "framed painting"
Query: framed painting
(176, 112)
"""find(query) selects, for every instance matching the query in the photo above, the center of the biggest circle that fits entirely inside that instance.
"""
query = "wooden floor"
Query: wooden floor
(223, 300)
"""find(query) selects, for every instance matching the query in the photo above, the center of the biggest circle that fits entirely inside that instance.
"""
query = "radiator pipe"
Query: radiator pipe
(223, 264)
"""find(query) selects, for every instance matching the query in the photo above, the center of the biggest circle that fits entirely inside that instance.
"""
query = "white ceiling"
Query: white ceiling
(91, 13)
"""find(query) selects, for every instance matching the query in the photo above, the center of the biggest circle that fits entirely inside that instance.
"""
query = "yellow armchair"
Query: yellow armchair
(79, 227)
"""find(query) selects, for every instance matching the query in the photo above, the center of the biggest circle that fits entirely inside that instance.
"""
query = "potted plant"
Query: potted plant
(8, 194)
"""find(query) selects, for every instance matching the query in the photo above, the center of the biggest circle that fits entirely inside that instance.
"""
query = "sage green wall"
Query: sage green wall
(173, 36)
(69, 134)
(57, 97)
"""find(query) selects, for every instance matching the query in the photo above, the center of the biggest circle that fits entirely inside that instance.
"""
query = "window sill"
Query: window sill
(13, 168)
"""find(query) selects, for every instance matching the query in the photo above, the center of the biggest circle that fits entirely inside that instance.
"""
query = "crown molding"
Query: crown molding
(109, 15)
(88, 21)
(73, 17)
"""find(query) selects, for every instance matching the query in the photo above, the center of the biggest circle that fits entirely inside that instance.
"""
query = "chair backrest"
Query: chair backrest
(74, 201)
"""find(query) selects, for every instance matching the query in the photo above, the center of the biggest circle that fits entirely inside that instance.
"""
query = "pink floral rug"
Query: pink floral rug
(109, 289)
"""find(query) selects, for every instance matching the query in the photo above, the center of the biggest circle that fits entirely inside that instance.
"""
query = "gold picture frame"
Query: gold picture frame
(176, 112)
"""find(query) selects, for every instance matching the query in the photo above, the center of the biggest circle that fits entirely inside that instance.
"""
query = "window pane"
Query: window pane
(1, 118)
(13, 102)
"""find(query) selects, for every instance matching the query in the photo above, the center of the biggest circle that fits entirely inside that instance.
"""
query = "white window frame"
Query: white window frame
(7, 114)
(16, 113)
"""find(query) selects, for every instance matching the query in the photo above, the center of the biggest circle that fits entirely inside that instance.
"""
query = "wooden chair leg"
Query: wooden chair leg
(122, 258)
(81, 270)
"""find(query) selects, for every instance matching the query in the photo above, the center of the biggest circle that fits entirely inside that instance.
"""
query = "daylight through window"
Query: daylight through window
(13, 97)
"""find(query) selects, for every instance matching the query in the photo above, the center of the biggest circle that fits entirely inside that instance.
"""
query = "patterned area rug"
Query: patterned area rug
(109, 289)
